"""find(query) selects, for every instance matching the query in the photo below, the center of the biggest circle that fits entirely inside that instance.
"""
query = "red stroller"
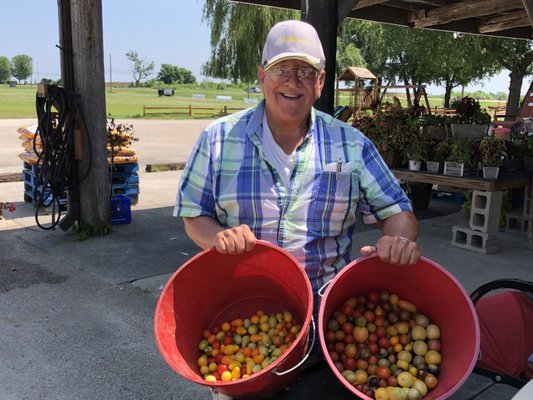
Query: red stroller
(506, 331)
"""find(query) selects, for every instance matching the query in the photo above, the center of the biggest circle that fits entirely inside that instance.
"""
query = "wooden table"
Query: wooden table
(504, 182)
(319, 382)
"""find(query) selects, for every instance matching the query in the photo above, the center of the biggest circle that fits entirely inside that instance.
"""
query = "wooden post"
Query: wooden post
(324, 15)
(190, 110)
(89, 83)
(144, 110)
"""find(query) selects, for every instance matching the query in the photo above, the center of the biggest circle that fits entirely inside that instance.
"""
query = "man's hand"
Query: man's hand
(395, 250)
(236, 240)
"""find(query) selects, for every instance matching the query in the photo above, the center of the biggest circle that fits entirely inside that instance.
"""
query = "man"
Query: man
(289, 174)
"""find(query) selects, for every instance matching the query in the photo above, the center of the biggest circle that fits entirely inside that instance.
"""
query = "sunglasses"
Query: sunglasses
(307, 76)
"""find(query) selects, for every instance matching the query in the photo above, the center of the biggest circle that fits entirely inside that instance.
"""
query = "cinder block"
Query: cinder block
(485, 212)
(515, 222)
(469, 239)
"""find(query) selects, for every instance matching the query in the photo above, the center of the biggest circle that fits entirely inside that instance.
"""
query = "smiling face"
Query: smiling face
(288, 103)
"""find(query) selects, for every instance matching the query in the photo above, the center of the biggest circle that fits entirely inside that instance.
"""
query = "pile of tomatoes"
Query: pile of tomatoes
(384, 347)
(242, 347)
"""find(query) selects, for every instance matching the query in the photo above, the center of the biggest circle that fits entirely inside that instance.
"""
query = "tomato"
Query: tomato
(350, 350)
(383, 372)
(329, 336)
(349, 363)
(360, 333)
(347, 327)
(373, 296)
(384, 342)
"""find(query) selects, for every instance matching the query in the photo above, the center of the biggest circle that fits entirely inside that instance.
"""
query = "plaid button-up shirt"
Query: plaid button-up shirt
(337, 171)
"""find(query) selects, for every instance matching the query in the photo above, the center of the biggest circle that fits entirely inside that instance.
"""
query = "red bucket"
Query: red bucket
(436, 293)
(212, 288)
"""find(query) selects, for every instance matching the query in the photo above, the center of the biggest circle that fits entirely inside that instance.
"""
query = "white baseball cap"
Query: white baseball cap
(295, 40)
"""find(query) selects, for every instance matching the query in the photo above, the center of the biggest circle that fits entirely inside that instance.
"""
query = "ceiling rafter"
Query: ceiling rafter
(504, 18)
(463, 10)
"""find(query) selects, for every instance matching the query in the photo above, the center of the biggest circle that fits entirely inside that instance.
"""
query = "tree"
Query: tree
(415, 57)
(238, 33)
(141, 68)
(5, 69)
(174, 74)
(22, 67)
(348, 55)
(517, 57)
(459, 62)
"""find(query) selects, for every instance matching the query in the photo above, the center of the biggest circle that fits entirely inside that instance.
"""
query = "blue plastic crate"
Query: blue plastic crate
(123, 179)
(125, 189)
(120, 209)
(124, 168)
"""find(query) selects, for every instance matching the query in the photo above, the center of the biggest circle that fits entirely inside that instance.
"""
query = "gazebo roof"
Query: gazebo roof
(351, 73)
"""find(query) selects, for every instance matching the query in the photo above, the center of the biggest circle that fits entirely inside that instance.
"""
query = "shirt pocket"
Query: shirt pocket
(334, 199)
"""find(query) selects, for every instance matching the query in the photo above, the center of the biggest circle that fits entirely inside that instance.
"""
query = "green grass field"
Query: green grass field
(19, 101)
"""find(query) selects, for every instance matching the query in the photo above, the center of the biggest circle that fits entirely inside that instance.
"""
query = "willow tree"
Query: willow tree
(238, 33)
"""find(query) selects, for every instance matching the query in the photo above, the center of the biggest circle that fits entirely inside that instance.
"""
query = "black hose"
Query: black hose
(56, 115)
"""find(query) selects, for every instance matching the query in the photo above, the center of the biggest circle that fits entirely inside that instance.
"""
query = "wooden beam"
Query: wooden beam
(502, 23)
(345, 7)
(367, 3)
(462, 10)
(528, 5)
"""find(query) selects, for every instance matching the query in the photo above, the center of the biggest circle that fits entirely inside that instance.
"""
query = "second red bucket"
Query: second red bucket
(435, 291)
(211, 288)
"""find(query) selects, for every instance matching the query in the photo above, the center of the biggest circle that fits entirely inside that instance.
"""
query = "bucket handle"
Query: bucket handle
(323, 288)
(275, 371)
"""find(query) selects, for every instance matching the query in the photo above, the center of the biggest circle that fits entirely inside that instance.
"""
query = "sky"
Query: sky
(162, 31)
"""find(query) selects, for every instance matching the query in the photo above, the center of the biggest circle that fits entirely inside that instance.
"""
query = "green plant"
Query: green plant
(463, 151)
(469, 111)
(492, 152)
(435, 120)
(441, 150)
(392, 129)
(419, 146)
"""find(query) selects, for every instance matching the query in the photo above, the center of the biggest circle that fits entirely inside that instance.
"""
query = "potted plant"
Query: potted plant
(438, 153)
(417, 148)
(436, 126)
(492, 153)
(461, 160)
(471, 121)
(390, 130)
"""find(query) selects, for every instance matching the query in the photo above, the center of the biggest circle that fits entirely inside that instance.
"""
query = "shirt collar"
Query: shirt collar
(254, 128)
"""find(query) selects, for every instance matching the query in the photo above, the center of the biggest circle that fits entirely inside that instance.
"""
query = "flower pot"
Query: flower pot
(491, 172)
(501, 133)
(415, 165)
(433, 166)
(469, 131)
(439, 132)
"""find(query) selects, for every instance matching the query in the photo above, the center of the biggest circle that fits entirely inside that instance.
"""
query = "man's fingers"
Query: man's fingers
(367, 250)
